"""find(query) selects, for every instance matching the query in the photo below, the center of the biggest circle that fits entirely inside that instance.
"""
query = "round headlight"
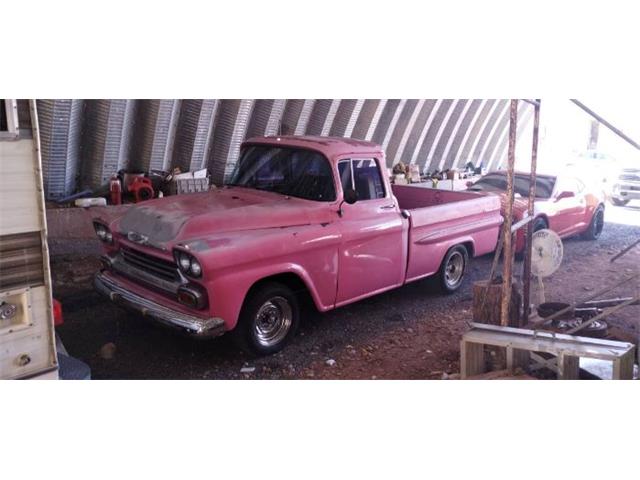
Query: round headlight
(101, 231)
(184, 262)
(108, 237)
(196, 269)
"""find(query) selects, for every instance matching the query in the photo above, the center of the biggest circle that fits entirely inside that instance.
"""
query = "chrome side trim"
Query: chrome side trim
(201, 327)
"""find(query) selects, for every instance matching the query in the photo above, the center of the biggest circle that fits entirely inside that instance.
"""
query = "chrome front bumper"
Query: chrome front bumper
(201, 327)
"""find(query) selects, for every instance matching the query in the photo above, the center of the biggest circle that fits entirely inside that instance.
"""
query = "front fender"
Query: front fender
(233, 264)
(228, 292)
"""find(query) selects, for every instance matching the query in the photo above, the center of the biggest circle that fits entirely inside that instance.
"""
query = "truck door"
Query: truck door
(373, 253)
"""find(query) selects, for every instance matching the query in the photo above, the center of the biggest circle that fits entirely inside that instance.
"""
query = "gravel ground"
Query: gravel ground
(409, 333)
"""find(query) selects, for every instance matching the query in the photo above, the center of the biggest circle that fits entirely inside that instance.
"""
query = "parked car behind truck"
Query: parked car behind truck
(300, 216)
(563, 203)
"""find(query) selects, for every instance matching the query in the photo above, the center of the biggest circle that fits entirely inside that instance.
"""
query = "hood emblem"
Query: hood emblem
(138, 238)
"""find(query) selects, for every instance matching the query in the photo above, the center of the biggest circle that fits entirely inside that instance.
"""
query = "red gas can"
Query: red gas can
(115, 189)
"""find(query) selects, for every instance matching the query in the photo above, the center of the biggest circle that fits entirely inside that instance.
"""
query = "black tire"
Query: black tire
(266, 301)
(598, 329)
(596, 225)
(539, 224)
(619, 203)
(453, 269)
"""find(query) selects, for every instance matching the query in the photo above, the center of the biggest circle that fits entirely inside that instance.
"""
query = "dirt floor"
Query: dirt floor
(409, 333)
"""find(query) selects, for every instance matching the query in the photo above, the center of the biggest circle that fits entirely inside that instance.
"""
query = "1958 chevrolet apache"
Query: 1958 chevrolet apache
(312, 216)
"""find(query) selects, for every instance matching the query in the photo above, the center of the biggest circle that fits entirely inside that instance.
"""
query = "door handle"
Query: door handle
(388, 207)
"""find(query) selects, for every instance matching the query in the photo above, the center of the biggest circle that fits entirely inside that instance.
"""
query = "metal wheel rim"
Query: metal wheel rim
(599, 222)
(454, 269)
(273, 321)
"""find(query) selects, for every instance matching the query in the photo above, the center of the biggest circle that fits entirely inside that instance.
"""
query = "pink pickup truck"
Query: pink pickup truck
(301, 216)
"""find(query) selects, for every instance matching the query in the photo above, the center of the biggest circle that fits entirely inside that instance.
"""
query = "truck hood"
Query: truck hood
(185, 218)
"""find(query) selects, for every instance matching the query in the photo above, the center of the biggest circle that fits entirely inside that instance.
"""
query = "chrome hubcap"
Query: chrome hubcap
(454, 269)
(273, 321)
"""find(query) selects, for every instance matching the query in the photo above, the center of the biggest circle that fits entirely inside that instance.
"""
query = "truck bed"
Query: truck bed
(440, 219)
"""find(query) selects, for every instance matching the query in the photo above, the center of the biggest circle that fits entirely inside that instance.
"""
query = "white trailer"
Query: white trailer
(27, 338)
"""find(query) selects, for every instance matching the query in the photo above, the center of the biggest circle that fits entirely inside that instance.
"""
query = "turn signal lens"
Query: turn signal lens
(192, 296)
(187, 298)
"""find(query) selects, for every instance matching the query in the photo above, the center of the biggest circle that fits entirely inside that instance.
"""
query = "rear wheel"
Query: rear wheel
(268, 320)
(453, 268)
(618, 202)
(596, 225)
(539, 224)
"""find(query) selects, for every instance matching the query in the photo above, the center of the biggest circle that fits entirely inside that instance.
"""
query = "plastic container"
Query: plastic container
(91, 202)
(188, 185)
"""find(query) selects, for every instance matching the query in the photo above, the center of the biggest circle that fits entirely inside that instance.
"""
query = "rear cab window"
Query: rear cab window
(362, 175)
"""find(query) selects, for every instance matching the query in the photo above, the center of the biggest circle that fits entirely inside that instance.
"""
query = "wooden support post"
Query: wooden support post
(568, 367)
(471, 359)
(517, 358)
(526, 276)
(507, 251)
(623, 367)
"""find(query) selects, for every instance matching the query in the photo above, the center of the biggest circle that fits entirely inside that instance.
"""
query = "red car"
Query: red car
(563, 204)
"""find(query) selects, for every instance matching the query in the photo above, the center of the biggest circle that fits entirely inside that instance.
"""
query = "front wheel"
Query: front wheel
(453, 269)
(596, 225)
(268, 320)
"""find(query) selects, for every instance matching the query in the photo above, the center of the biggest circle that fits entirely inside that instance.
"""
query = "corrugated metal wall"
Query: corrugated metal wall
(85, 141)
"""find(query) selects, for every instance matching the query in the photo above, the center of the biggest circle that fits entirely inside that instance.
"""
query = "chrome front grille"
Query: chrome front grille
(159, 267)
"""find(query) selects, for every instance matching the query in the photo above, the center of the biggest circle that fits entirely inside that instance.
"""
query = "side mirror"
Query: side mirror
(565, 194)
(350, 196)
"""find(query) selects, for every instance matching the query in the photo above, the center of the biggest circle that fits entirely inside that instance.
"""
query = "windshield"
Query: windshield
(289, 171)
(496, 181)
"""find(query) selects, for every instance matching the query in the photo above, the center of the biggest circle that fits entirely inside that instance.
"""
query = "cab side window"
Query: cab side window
(362, 175)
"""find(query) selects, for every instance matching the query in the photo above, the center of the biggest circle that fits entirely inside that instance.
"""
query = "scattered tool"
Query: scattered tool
(625, 250)
(141, 189)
